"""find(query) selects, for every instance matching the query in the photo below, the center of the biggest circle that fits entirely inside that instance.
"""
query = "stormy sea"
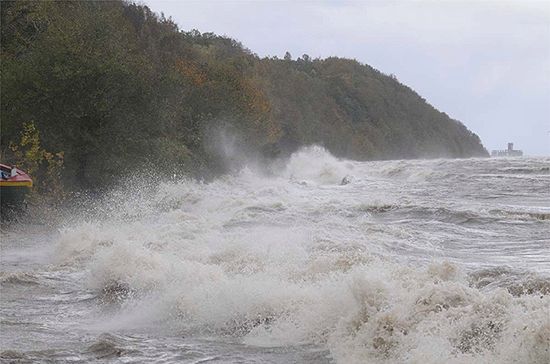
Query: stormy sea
(319, 260)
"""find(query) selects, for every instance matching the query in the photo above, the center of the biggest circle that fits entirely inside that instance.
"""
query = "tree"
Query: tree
(119, 88)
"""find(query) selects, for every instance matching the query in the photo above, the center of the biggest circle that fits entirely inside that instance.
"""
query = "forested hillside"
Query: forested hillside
(104, 88)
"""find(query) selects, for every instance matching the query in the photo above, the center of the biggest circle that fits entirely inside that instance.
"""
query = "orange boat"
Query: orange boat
(14, 186)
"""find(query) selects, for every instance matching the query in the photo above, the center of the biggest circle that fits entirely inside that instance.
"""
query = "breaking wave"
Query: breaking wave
(18, 278)
(300, 259)
(314, 165)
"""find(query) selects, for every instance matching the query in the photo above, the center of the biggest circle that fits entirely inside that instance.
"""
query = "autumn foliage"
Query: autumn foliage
(121, 89)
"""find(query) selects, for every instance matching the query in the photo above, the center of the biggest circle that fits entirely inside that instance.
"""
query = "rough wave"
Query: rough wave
(314, 165)
(299, 259)
(18, 278)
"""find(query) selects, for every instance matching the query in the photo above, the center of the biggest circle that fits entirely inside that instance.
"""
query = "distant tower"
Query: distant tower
(510, 152)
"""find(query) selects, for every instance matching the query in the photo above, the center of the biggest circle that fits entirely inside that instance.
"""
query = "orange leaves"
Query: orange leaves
(191, 71)
(44, 167)
(256, 99)
(259, 105)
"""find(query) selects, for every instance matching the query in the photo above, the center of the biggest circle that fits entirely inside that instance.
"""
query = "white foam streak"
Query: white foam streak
(279, 263)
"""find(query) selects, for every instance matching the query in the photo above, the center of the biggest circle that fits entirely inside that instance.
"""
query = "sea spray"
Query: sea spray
(400, 265)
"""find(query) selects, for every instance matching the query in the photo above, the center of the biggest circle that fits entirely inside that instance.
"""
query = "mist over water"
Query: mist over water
(319, 260)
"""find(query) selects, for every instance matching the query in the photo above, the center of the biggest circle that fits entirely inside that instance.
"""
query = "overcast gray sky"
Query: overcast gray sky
(485, 63)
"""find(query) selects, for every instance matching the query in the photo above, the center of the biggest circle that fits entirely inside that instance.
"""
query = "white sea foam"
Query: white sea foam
(313, 164)
(273, 262)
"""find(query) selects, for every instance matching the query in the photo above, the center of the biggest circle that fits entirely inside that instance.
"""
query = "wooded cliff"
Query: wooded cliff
(105, 88)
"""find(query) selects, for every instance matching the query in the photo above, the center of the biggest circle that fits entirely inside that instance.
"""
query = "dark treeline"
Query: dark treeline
(105, 88)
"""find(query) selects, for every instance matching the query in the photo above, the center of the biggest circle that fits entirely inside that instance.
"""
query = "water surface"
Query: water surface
(411, 261)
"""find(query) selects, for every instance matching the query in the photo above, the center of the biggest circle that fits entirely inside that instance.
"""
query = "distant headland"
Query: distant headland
(104, 89)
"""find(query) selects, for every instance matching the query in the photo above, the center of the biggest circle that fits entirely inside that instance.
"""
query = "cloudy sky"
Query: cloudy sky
(485, 63)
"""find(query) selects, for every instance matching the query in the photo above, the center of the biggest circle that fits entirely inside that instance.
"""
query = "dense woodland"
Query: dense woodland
(92, 90)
